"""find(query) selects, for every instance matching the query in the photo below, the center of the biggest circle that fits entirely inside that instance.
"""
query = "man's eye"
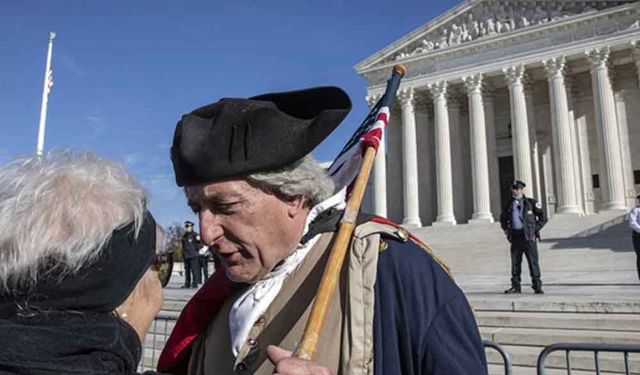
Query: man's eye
(225, 208)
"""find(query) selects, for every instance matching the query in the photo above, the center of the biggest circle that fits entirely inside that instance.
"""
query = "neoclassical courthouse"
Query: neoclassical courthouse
(541, 91)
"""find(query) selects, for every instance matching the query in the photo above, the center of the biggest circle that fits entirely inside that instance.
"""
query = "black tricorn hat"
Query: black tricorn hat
(236, 137)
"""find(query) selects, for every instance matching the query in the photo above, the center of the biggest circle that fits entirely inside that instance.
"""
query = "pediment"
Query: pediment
(475, 20)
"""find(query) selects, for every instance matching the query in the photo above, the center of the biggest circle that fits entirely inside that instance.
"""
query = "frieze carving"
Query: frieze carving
(492, 18)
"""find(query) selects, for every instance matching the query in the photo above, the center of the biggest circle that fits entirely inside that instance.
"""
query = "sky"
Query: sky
(125, 71)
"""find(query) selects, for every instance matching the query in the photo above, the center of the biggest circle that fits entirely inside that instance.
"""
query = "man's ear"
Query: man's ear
(296, 205)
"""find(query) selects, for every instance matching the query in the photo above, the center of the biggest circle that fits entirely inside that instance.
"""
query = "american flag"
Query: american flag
(346, 166)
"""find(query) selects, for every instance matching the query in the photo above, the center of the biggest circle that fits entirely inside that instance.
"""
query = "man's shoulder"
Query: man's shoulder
(401, 251)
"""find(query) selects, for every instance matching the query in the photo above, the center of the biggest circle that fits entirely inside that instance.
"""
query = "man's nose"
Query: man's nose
(210, 227)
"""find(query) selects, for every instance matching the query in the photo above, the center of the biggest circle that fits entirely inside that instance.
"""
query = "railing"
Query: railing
(506, 359)
(154, 341)
(624, 349)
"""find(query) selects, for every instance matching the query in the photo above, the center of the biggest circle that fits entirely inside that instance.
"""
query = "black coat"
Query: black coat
(190, 245)
(60, 343)
(533, 218)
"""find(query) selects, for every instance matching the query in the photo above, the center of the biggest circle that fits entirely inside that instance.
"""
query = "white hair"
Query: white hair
(62, 206)
(304, 177)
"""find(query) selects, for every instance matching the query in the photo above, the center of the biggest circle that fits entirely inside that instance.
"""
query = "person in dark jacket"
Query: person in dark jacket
(521, 220)
(190, 248)
(79, 294)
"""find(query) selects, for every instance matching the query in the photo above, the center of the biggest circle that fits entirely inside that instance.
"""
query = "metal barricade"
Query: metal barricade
(154, 341)
(596, 348)
(503, 353)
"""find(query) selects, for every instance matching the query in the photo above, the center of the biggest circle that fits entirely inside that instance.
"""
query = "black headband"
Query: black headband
(100, 286)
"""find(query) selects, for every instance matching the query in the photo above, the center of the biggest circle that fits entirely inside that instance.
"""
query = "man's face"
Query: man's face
(517, 192)
(250, 230)
(189, 228)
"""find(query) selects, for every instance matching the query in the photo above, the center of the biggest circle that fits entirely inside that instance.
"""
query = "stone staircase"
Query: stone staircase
(524, 326)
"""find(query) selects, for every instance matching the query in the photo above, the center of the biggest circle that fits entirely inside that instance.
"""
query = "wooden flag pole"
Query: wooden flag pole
(331, 275)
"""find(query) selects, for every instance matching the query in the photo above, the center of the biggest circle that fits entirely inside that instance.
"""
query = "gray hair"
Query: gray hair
(62, 206)
(304, 177)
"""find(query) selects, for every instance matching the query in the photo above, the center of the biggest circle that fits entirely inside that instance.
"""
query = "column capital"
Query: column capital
(554, 67)
(372, 99)
(438, 89)
(514, 74)
(598, 57)
(473, 83)
(405, 97)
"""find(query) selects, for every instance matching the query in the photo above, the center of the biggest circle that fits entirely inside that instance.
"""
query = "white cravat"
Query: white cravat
(255, 301)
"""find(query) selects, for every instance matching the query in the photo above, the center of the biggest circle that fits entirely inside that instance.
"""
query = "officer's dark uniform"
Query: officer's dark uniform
(190, 247)
(524, 240)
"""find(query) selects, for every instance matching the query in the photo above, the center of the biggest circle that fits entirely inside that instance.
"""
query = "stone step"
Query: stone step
(544, 337)
(173, 304)
(588, 321)
(546, 303)
(528, 356)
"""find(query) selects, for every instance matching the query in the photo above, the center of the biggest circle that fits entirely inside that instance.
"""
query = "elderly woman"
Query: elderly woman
(78, 283)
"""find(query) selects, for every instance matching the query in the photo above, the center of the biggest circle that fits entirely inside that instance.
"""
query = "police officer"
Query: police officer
(633, 217)
(190, 247)
(521, 220)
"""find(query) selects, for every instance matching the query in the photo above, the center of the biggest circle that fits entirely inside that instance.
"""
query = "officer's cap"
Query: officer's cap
(517, 184)
(235, 137)
(188, 223)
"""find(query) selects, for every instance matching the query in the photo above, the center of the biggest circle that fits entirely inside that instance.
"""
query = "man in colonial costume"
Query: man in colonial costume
(270, 212)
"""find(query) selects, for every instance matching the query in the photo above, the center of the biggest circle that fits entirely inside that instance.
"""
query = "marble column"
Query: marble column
(567, 200)
(409, 159)
(479, 157)
(443, 154)
(607, 131)
(492, 151)
(575, 146)
(379, 193)
(635, 50)
(519, 126)
(529, 98)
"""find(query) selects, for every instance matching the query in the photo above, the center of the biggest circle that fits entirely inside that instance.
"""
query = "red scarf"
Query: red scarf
(194, 318)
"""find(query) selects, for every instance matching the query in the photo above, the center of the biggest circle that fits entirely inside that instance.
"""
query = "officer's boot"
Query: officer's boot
(513, 290)
(537, 287)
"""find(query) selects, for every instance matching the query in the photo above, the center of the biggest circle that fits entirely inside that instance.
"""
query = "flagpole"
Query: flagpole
(45, 96)
(331, 274)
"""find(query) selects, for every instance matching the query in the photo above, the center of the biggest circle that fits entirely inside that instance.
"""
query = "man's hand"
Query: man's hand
(286, 365)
